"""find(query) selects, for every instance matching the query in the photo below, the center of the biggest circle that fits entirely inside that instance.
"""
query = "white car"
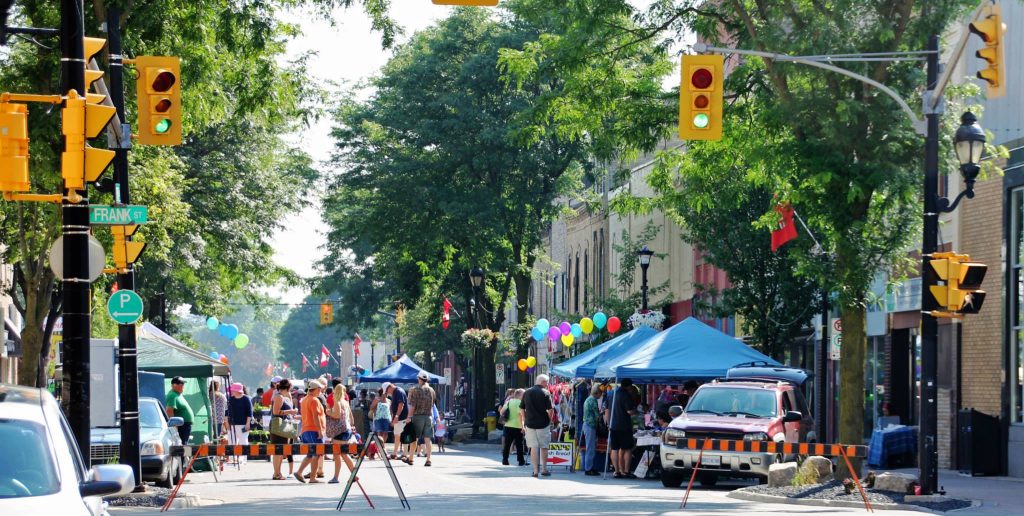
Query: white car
(41, 468)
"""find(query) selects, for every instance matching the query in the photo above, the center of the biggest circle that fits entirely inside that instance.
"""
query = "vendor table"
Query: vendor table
(887, 444)
(644, 444)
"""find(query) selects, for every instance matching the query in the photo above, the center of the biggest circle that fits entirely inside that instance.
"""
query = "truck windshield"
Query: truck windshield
(734, 401)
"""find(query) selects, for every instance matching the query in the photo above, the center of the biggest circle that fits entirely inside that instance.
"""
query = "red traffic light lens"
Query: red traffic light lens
(701, 101)
(163, 81)
(163, 106)
(701, 78)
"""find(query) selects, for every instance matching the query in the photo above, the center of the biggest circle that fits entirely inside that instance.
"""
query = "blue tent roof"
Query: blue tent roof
(403, 370)
(582, 365)
(688, 350)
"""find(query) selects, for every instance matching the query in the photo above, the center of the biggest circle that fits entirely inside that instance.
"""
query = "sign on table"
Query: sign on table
(560, 454)
(118, 215)
(125, 306)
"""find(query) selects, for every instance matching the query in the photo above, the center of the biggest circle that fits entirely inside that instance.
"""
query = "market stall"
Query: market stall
(403, 370)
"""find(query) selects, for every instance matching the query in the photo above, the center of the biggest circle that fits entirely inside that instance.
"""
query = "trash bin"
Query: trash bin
(978, 443)
(492, 421)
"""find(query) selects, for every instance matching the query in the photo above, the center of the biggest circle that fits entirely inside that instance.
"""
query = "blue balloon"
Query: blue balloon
(223, 330)
(600, 319)
(214, 355)
(212, 323)
(232, 331)
(576, 330)
(543, 325)
(537, 334)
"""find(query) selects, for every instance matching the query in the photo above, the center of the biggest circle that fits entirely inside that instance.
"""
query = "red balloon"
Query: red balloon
(614, 324)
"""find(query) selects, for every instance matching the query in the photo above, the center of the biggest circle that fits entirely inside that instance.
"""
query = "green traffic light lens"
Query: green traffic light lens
(701, 121)
(162, 126)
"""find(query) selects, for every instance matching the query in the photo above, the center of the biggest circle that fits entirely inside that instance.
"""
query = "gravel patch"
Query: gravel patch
(834, 491)
(153, 497)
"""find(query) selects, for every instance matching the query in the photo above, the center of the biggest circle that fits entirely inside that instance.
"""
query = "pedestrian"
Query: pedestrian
(268, 395)
(239, 417)
(421, 400)
(513, 431)
(591, 416)
(382, 418)
(178, 406)
(314, 426)
(339, 428)
(281, 407)
(220, 407)
(620, 439)
(536, 412)
(399, 415)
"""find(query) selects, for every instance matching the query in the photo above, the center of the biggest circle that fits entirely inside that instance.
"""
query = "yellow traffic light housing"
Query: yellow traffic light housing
(962, 292)
(158, 92)
(482, 3)
(126, 252)
(93, 46)
(326, 313)
(700, 97)
(81, 164)
(14, 148)
(991, 29)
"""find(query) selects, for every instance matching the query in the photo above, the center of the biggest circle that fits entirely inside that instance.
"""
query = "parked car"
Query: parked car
(41, 468)
(756, 404)
(157, 434)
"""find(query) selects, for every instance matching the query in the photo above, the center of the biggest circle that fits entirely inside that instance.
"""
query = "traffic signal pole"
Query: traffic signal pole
(126, 337)
(75, 230)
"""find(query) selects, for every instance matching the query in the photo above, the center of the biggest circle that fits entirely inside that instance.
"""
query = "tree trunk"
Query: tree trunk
(522, 282)
(851, 376)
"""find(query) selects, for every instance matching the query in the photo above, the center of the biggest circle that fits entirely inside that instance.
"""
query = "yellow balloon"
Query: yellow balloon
(587, 325)
(531, 361)
(568, 339)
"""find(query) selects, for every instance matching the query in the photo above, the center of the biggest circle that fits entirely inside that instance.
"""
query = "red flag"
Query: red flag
(284, 367)
(269, 370)
(355, 344)
(786, 230)
(446, 318)
(323, 355)
(305, 363)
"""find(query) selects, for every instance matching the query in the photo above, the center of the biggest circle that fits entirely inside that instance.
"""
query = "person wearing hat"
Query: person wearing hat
(178, 406)
(268, 395)
(314, 427)
(239, 416)
(421, 403)
(399, 416)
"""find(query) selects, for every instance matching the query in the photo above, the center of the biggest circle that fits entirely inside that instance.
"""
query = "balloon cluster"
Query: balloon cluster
(220, 357)
(568, 333)
(229, 331)
(527, 364)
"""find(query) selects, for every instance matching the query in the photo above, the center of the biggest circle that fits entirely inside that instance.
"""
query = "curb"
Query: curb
(185, 502)
(758, 497)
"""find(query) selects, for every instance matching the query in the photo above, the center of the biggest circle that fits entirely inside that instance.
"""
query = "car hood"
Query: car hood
(113, 435)
(64, 503)
(712, 423)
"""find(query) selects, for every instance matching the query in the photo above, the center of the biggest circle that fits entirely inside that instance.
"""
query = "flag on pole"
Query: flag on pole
(305, 362)
(284, 367)
(269, 370)
(324, 354)
(786, 230)
(446, 319)
(355, 344)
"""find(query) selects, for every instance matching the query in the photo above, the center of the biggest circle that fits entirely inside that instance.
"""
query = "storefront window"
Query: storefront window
(1016, 302)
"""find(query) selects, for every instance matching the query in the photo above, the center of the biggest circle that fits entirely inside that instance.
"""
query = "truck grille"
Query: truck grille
(732, 436)
(103, 453)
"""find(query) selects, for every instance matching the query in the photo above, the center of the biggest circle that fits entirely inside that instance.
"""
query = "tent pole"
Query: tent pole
(611, 419)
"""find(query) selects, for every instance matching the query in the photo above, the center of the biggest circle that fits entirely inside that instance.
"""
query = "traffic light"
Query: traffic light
(991, 29)
(700, 97)
(93, 46)
(158, 92)
(126, 252)
(80, 163)
(962, 292)
(326, 313)
(14, 147)
(485, 3)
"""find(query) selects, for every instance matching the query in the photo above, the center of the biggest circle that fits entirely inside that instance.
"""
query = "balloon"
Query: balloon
(614, 324)
(241, 341)
(543, 325)
(224, 360)
(212, 323)
(232, 331)
(554, 333)
(587, 325)
(568, 339)
(214, 355)
(522, 364)
(537, 334)
(223, 330)
(600, 319)
(531, 361)
(565, 328)
(576, 330)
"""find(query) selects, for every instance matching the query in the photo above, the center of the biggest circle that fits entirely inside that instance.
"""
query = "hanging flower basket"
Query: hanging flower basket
(650, 318)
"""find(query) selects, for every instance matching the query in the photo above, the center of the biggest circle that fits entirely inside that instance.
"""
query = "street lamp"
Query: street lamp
(969, 144)
(645, 255)
(476, 279)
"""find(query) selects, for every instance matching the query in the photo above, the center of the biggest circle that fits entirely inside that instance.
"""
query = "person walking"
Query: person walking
(513, 432)
(339, 428)
(421, 401)
(268, 395)
(178, 406)
(591, 416)
(314, 426)
(536, 412)
(281, 407)
(220, 407)
(239, 417)
(381, 409)
(620, 439)
(399, 415)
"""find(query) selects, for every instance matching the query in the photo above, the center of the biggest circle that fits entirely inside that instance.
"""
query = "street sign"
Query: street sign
(499, 374)
(836, 339)
(118, 215)
(125, 306)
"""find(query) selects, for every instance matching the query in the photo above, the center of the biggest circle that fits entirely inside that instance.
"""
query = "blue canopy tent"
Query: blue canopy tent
(690, 350)
(582, 365)
(403, 370)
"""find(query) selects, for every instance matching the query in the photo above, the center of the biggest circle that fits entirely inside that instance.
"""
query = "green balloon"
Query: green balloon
(241, 341)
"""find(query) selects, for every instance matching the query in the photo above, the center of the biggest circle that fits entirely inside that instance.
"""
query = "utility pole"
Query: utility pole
(75, 230)
(928, 452)
(822, 401)
(126, 338)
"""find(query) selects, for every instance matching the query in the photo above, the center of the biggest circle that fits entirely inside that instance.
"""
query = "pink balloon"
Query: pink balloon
(565, 328)
(554, 333)
(614, 324)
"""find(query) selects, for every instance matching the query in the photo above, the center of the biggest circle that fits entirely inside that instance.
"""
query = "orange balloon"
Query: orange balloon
(224, 360)
(522, 364)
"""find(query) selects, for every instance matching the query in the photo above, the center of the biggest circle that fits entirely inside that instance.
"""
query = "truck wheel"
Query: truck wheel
(671, 477)
(708, 479)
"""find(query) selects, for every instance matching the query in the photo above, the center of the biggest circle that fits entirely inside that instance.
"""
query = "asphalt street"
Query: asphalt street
(465, 480)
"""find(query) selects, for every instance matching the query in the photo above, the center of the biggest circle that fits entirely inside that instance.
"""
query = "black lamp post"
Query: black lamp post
(645, 255)
(969, 144)
(476, 279)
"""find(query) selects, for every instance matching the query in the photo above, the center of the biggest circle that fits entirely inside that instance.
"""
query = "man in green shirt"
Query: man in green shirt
(513, 429)
(178, 406)
(591, 415)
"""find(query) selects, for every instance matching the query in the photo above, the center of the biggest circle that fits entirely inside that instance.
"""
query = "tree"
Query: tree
(302, 334)
(261, 323)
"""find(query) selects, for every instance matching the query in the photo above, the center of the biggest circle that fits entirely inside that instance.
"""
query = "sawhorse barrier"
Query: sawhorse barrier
(826, 450)
(387, 464)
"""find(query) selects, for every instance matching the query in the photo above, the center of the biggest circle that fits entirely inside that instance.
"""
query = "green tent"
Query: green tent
(160, 353)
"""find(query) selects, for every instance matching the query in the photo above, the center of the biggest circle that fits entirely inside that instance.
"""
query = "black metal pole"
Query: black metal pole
(126, 338)
(75, 231)
(821, 398)
(927, 445)
(643, 286)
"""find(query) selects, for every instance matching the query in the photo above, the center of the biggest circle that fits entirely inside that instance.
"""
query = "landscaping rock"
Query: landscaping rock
(821, 465)
(781, 474)
(896, 482)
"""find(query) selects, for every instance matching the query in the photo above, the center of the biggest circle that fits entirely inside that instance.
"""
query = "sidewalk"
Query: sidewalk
(998, 495)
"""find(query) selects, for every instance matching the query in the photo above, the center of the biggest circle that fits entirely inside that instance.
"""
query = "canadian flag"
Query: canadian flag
(323, 355)
(305, 363)
(786, 230)
(355, 344)
(446, 318)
